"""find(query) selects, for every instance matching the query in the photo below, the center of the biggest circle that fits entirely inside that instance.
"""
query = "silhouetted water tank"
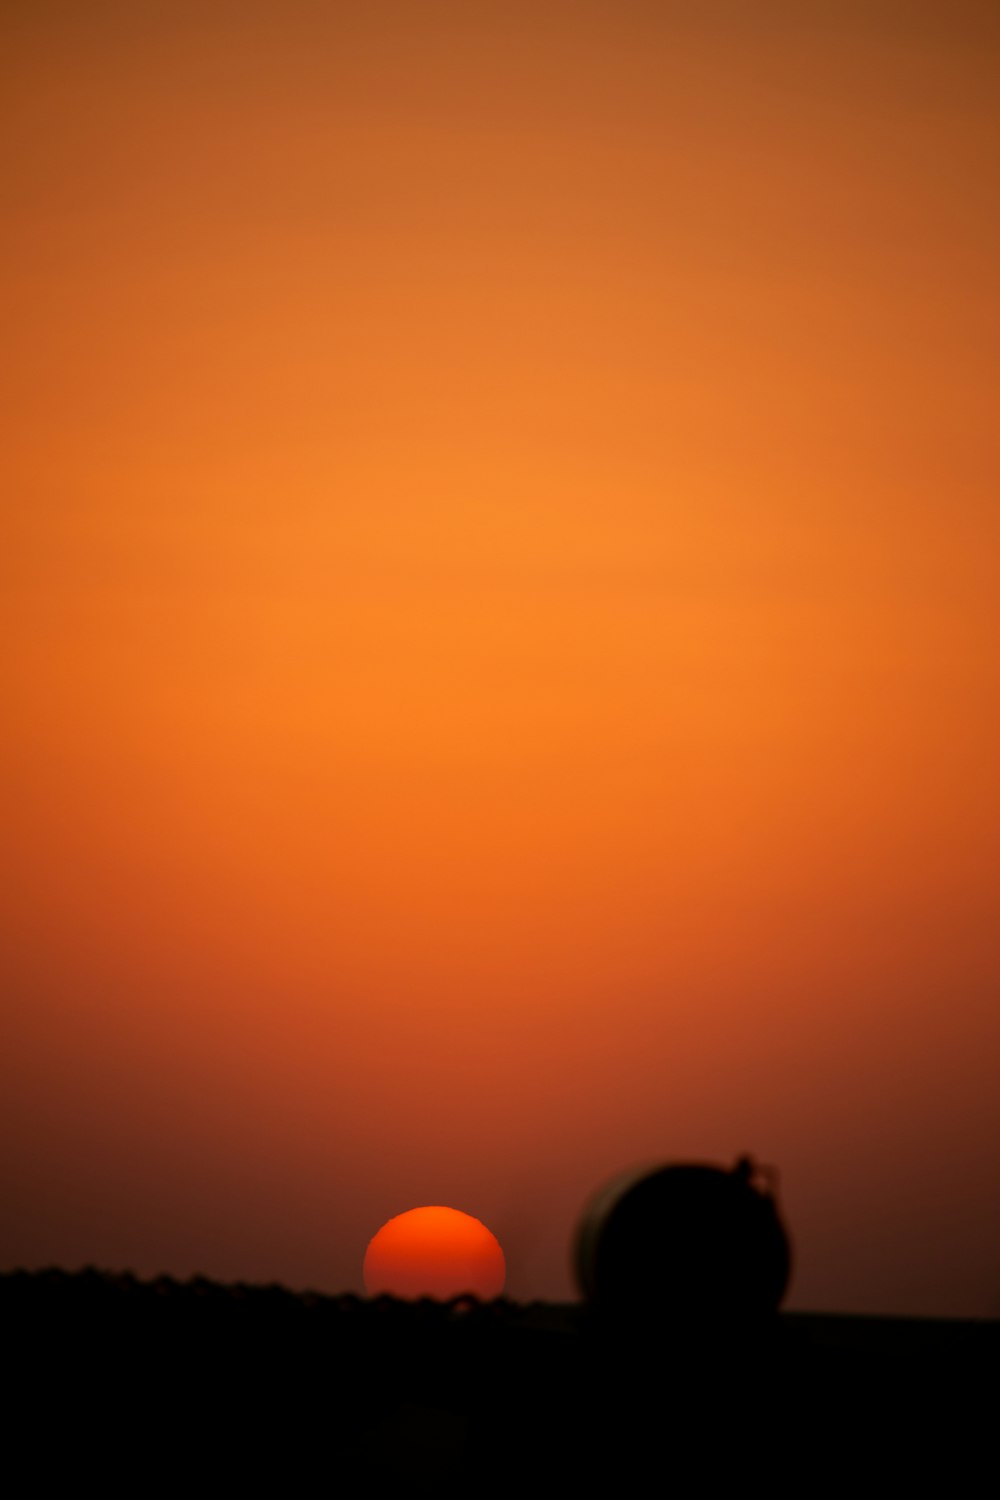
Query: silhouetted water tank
(684, 1241)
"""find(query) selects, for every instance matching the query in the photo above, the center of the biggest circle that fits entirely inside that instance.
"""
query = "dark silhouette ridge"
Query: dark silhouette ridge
(662, 1383)
(129, 1383)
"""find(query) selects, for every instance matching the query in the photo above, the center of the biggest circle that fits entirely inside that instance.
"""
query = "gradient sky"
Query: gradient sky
(500, 628)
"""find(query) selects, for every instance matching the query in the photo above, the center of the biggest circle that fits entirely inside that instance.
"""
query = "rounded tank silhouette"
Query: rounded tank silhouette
(685, 1241)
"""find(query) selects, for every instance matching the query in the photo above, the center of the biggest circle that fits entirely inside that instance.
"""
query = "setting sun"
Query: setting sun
(434, 1252)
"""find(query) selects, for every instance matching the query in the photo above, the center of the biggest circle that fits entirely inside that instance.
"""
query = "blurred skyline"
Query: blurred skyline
(500, 622)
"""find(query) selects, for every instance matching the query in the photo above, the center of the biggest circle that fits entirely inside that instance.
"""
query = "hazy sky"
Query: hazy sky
(500, 628)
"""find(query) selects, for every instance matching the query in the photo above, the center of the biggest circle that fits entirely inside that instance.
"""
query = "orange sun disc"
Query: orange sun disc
(434, 1252)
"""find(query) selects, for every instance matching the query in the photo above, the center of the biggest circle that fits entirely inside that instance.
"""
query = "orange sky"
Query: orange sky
(500, 622)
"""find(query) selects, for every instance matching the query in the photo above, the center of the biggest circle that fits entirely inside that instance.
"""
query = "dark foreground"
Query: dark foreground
(134, 1385)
